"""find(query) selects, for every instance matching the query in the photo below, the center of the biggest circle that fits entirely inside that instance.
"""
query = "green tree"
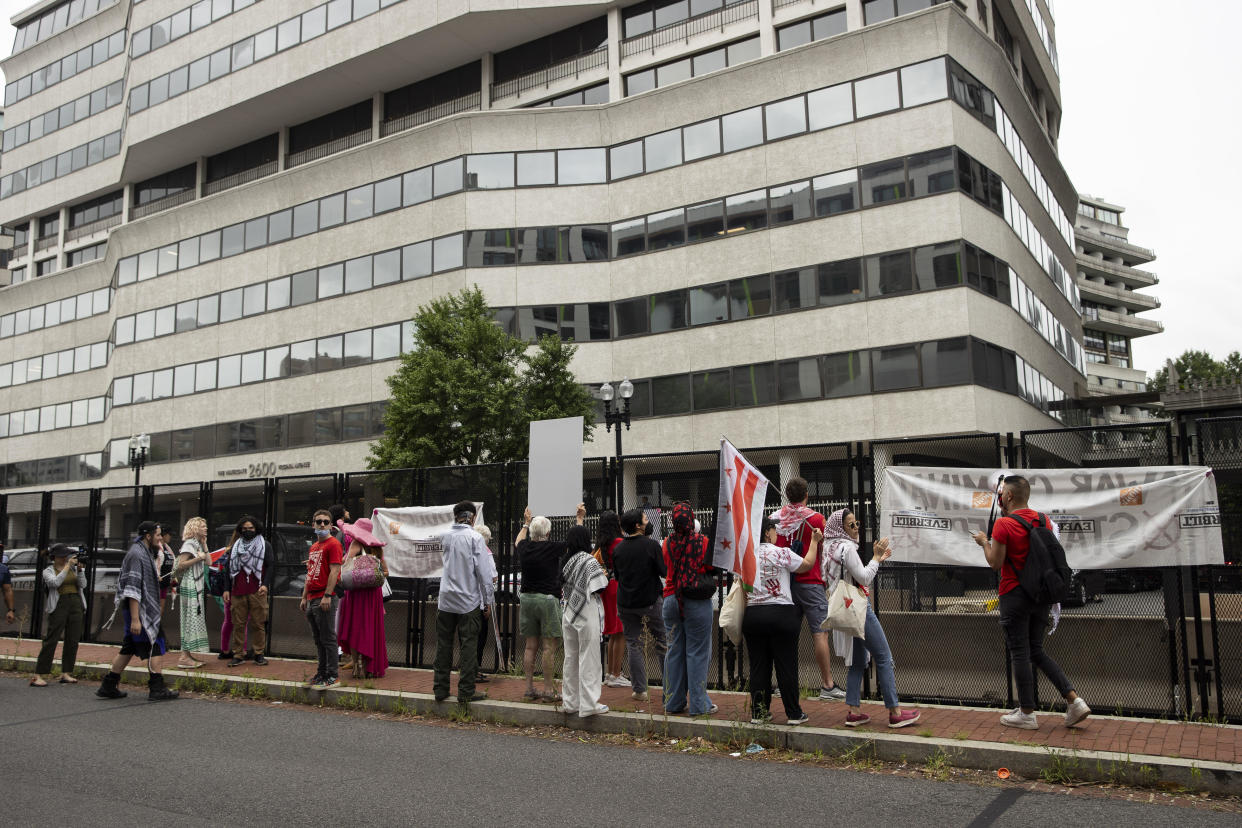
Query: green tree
(1198, 366)
(467, 391)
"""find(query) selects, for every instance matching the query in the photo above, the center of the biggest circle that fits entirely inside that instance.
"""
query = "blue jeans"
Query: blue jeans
(877, 645)
(689, 650)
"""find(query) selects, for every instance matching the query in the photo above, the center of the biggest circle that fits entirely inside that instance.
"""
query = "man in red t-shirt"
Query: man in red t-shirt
(795, 521)
(1021, 618)
(323, 569)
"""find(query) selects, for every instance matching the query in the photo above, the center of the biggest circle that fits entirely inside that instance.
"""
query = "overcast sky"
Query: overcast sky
(1151, 122)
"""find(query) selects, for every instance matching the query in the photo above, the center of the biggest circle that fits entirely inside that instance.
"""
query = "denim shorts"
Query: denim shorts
(540, 616)
(812, 601)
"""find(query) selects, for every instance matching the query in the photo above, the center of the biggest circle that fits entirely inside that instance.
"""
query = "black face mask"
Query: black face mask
(248, 534)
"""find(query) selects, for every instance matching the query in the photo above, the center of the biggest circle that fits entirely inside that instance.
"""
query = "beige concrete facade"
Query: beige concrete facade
(412, 39)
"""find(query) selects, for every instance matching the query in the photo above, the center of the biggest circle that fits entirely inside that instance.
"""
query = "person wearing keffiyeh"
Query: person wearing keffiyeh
(251, 572)
(138, 600)
(688, 620)
(582, 620)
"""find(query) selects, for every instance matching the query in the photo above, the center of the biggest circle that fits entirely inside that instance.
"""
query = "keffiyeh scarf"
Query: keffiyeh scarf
(139, 580)
(247, 556)
(583, 578)
(687, 551)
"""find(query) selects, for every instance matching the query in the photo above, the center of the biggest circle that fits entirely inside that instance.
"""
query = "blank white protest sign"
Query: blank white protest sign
(555, 474)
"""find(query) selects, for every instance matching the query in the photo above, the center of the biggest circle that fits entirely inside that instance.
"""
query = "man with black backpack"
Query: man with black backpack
(1025, 550)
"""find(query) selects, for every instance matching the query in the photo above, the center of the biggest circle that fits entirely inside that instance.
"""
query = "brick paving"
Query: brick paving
(1183, 740)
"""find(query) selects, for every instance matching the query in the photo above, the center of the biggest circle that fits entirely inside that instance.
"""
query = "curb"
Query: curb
(1028, 761)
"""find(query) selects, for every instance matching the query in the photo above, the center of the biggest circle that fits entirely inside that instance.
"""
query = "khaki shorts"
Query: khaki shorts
(540, 615)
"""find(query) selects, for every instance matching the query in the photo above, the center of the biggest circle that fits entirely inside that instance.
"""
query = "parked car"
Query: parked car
(24, 567)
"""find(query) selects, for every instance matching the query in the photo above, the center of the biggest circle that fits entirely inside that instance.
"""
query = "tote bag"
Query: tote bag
(731, 612)
(847, 607)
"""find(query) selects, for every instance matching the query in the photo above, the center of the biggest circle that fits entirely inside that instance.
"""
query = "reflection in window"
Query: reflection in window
(877, 94)
(581, 166)
(787, 117)
(796, 289)
(751, 296)
(923, 83)
(938, 265)
(670, 395)
(847, 374)
(709, 303)
(883, 182)
(747, 211)
(705, 221)
(663, 150)
(666, 229)
(791, 202)
(630, 317)
(626, 160)
(931, 172)
(889, 273)
(798, 379)
(486, 248)
(489, 171)
(668, 311)
(753, 385)
(836, 192)
(712, 390)
(946, 362)
(629, 237)
(895, 368)
(742, 129)
(702, 139)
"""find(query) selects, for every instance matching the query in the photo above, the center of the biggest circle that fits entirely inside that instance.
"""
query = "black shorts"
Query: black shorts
(139, 645)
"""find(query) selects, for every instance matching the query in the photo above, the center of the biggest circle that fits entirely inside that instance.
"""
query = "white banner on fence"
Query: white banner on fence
(412, 538)
(1109, 518)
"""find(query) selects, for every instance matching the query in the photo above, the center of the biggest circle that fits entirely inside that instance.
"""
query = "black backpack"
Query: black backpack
(1045, 577)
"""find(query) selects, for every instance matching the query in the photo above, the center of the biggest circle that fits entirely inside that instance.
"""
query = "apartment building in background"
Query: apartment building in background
(1109, 280)
(787, 221)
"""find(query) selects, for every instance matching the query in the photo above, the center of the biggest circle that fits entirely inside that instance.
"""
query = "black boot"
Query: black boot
(109, 689)
(157, 691)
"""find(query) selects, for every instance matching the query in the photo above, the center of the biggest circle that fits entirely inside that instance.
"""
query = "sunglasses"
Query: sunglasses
(323, 522)
(853, 524)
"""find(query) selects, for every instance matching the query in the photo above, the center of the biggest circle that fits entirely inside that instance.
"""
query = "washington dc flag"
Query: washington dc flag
(739, 514)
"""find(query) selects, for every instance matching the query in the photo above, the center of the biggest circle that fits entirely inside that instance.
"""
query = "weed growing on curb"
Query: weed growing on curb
(938, 766)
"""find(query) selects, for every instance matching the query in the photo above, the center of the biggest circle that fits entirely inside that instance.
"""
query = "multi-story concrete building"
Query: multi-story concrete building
(787, 221)
(1109, 279)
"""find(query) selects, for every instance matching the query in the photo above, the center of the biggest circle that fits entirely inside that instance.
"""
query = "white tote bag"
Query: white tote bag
(731, 612)
(847, 607)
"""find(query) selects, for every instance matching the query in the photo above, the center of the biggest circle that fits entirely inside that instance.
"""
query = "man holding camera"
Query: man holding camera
(138, 598)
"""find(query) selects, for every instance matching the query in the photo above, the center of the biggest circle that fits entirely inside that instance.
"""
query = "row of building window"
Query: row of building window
(876, 11)
(56, 312)
(48, 366)
(178, 25)
(1099, 213)
(676, 71)
(815, 28)
(650, 15)
(597, 94)
(981, 102)
(55, 20)
(64, 68)
(44, 267)
(292, 32)
(1045, 33)
(64, 115)
(60, 165)
(55, 416)
(311, 356)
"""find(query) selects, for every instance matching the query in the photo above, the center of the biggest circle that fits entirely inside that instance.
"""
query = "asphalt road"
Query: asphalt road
(71, 759)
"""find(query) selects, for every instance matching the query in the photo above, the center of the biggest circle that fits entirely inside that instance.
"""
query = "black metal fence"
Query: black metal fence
(1155, 642)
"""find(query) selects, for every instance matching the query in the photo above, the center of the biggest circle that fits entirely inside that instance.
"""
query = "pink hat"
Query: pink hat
(361, 530)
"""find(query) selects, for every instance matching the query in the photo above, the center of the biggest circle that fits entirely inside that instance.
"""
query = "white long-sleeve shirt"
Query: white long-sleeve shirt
(847, 550)
(469, 571)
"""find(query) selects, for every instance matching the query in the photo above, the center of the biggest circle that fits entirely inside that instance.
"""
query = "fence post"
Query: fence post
(92, 520)
(41, 542)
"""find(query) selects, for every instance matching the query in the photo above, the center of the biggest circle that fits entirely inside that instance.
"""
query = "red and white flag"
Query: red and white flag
(739, 514)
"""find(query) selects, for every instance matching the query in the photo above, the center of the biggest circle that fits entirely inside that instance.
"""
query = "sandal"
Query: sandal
(193, 665)
(533, 695)
(68, 680)
(552, 697)
(37, 682)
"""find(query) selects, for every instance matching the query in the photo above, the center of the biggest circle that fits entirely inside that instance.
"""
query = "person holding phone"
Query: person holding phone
(65, 604)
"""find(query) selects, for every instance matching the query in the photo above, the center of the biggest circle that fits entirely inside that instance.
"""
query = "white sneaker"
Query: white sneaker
(1016, 718)
(833, 693)
(1076, 712)
(616, 681)
(598, 710)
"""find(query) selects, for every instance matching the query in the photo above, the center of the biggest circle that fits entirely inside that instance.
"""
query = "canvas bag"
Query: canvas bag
(847, 607)
(732, 610)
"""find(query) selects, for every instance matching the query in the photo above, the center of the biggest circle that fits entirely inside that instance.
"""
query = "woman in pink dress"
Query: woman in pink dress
(361, 621)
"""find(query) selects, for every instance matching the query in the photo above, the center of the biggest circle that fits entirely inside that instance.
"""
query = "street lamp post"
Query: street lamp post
(617, 416)
(138, 446)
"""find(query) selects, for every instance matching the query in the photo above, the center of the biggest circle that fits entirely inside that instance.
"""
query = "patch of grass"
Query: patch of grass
(255, 690)
(351, 701)
(461, 714)
(1062, 768)
(926, 733)
(938, 766)
(961, 735)
(860, 757)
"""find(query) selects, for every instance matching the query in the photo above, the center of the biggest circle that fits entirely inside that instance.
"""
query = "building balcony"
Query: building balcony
(237, 179)
(45, 243)
(341, 144)
(1132, 276)
(1114, 244)
(1120, 323)
(91, 228)
(589, 66)
(466, 103)
(1125, 297)
(159, 204)
(685, 30)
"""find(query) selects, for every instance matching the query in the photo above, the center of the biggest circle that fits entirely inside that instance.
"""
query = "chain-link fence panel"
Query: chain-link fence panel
(23, 527)
(1220, 447)
(941, 622)
(1144, 676)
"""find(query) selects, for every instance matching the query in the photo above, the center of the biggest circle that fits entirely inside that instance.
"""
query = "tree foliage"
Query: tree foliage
(1194, 367)
(467, 391)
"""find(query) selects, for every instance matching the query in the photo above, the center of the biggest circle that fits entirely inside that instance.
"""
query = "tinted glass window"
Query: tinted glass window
(447, 177)
(889, 273)
(492, 171)
(630, 317)
(791, 202)
(836, 192)
(830, 107)
(629, 237)
(931, 172)
(663, 150)
(754, 384)
(705, 221)
(667, 229)
(923, 83)
(796, 289)
(747, 211)
(668, 311)
(416, 260)
(798, 379)
(938, 265)
(883, 182)
(581, 166)
(848, 374)
(786, 117)
(946, 362)
(712, 389)
(536, 168)
(742, 129)
(626, 160)
(701, 140)
(895, 368)
(416, 186)
(751, 296)
(875, 95)
(670, 395)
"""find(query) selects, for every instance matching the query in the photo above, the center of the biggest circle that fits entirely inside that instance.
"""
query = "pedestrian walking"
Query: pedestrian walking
(841, 560)
(771, 622)
(191, 573)
(687, 616)
(252, 571)
(138, 600)
(583, 584)
(639, 564)
(1022, 619)
(466, 587)
(795, 521)
(323, 570)
(65, 605)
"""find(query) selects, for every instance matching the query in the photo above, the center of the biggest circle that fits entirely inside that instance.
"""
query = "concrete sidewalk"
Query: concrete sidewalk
(1193, 755)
